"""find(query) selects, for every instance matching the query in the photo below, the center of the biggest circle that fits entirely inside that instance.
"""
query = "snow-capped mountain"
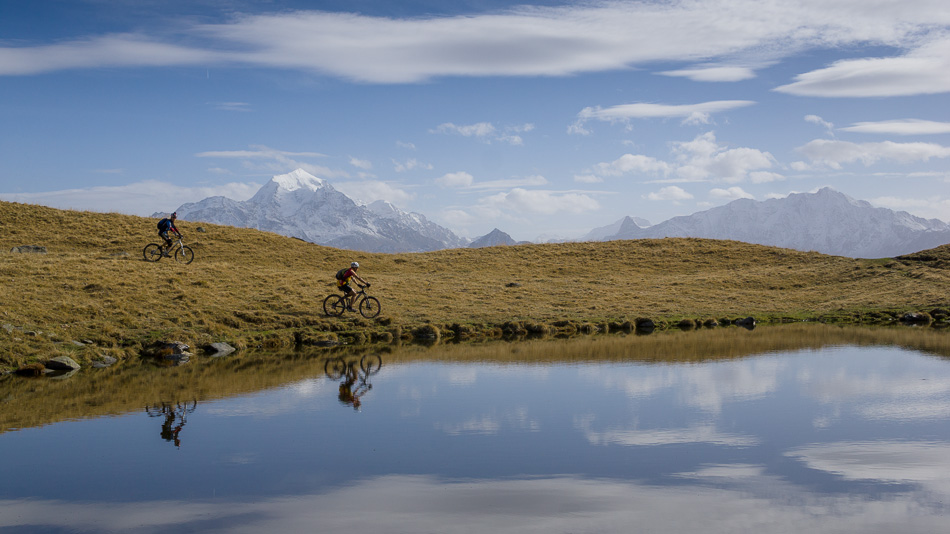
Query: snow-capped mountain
(827, 221)
(301, 205)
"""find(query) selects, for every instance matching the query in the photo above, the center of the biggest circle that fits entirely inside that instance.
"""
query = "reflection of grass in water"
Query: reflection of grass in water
(28, 403)
(252, 288)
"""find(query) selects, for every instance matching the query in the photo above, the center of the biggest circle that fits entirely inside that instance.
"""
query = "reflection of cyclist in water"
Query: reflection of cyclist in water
(169, 433)
(354, 377)
(172, 414)
(347, 394)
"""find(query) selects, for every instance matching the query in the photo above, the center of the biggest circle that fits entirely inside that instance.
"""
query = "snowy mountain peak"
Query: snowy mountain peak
(300, 205)
(298, 179)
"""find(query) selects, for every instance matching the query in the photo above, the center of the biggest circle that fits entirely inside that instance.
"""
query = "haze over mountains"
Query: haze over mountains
(301, 205)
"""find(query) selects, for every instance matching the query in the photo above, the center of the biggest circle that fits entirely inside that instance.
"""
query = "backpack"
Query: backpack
(341, 273)
(164, 224)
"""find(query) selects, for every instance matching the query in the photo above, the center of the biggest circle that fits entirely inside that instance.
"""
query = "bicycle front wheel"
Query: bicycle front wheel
(369, 307)
(371, 363)
(185, 255)
(335, 368)
(152, 252)
(334, 305)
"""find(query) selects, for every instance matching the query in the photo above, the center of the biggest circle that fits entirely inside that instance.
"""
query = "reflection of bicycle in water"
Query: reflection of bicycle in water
(172, 414)
(354, 384)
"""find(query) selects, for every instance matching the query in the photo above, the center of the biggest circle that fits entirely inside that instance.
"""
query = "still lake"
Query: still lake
(779, 429)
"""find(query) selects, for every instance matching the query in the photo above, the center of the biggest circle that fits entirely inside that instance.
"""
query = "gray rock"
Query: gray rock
(104, 361)
(216, 350)
(62, 363)
(28, 249)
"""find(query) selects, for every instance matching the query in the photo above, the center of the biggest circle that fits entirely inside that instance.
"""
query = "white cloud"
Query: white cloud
(740, 499)
(463, 179)
(761, 177)
(370, 191)
(481, 129)
(532, 180)
(834, 153)
(704, 158)
(882, 461)
(671, 192)
(455, 179)
(701, 159)
(486, 131)
(729, 194)
(268, 160)
(521, 200)
(537, 41)
(900, 127)
(588, 179)
(140, 198)
(924, 70)
(690, 113)
(815, 119)
(713, 74)
(632, 163)
(361, 163)
(411, 164)
(231, 106)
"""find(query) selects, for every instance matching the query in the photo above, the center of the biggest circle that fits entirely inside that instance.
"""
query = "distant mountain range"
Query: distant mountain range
(493, 239)
(827, 221)
(301, 205)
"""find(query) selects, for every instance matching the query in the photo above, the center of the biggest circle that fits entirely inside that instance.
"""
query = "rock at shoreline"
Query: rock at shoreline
(62, 363)
(216, 350)
(169, 353)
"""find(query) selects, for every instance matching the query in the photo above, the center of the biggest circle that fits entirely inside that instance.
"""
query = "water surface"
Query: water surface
(818, 430)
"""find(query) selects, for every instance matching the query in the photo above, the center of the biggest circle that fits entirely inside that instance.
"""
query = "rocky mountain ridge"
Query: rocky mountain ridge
(298, 204)
(826, 221)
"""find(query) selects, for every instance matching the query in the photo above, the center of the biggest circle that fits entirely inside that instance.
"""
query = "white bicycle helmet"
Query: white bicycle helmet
(355, 265)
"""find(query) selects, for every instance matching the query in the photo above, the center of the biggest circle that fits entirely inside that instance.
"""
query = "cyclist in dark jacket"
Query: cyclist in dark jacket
(344, 284)
(168, 225)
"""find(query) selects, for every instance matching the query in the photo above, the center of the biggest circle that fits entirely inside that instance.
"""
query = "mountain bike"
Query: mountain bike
(335, 305)
(335, 368)
(183, 253)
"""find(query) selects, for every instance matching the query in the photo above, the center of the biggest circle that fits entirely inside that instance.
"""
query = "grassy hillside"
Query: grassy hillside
(252, 288)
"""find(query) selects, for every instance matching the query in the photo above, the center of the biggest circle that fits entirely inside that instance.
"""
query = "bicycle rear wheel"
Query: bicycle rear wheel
(371, 363)
(152, 252)
(334, 305)
(185, 255)
(369, 307)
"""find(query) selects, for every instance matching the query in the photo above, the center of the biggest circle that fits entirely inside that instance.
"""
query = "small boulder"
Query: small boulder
(216, 350)
(62, 363)
(28, 249)
(747, 322)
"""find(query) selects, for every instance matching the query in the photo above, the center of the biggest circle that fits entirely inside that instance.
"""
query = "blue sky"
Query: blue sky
(545, 119)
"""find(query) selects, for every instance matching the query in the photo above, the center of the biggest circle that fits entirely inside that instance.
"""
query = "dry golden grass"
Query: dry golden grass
(252, 288)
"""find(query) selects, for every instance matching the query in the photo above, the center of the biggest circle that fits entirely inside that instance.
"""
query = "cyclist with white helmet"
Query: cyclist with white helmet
(343, 284)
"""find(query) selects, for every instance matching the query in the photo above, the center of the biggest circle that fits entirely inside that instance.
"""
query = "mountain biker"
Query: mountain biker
(344, 285)
(164, 225)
